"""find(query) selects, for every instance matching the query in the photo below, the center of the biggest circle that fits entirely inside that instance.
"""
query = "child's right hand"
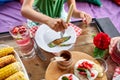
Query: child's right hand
(57, 24)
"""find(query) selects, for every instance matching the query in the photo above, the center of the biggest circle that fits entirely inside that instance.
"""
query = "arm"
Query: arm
(28, 12)
(79, 14)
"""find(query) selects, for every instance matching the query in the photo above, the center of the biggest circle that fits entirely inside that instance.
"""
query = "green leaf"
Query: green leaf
(99, 53)
(93, 35)
(64, 78)
(88, 74)
(51, 45)
(81, 69)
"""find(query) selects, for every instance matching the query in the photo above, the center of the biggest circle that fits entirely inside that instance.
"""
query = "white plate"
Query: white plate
(19, 60)
(81, 77)
(45, 35)
(73, 76)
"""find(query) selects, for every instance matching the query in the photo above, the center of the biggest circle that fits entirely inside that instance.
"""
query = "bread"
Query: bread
(96, 70)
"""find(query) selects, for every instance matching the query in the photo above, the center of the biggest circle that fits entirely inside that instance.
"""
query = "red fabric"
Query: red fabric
(116, 75)
(76, 28)
(21, 1)
(117, 1)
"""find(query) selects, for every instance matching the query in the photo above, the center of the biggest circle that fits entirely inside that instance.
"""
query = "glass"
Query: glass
(103, 65)
(67, 63)
(21, 34)
(115, 55)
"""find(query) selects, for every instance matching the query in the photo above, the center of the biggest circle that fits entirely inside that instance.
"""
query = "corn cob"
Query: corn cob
(17, 76)
(9, 70)
(6, 60)
(6, 51)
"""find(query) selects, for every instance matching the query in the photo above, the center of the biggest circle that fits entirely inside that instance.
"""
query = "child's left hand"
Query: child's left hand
(81, 14)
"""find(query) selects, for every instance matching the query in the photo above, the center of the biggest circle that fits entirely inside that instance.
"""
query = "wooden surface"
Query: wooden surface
(53, 72)
(36, 68)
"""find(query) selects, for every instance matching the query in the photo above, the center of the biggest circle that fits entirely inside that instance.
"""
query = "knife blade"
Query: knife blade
(62, 33)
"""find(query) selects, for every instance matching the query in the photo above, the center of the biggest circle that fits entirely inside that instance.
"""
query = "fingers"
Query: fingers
(59, 25)
(86, 17)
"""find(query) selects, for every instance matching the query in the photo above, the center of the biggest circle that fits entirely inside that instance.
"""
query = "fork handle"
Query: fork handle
(69, 13)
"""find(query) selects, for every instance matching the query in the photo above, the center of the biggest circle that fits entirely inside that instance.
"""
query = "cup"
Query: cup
(115, 55)
(21, 35)
(67, 63)
(104, 66)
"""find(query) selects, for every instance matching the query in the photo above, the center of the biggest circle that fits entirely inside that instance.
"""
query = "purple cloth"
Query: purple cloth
(9, 14)
(108, 9)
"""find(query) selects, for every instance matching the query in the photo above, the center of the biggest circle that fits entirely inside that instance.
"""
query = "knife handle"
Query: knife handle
(69, 13)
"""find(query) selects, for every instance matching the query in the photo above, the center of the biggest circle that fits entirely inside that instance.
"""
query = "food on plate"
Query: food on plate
(9, 70)
(68, 77)
(58, 41)
(6, 51)
(17, 76)
(6, 60)
(10, 64)
(87, 70)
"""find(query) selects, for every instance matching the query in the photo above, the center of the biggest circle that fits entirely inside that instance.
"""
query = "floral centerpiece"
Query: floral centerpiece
(101, 42)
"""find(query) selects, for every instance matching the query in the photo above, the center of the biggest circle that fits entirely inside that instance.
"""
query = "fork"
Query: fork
(62, 33)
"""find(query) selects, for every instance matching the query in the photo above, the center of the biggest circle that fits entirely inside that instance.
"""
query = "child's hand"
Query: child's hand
(57, 24)
(85, 17)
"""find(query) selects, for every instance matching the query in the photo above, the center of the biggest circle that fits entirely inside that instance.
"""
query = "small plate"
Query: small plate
(81, 77)
(19, 60)
(45, 35)
(73, 76)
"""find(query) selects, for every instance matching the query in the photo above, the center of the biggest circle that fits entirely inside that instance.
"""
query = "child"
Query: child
(51, 12)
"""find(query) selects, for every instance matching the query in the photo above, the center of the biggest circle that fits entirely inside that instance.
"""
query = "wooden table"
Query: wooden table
(53, 72)
(36, 68)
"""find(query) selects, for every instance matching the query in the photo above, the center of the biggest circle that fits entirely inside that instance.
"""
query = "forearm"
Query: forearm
(74, 9)
(31, 14)
(35, 16)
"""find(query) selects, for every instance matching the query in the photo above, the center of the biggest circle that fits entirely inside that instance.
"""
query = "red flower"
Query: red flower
(102, 40)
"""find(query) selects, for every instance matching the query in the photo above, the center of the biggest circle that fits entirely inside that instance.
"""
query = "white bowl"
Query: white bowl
(45, 35)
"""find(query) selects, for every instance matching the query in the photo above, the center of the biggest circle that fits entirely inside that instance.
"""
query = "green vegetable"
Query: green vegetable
(64, 78)
(88, 74)
(51, 45)
(81, 69)
(57, 42)
(86, 71)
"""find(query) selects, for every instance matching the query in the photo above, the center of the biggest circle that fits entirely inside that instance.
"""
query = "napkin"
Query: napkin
(76, 28)
(116, 75)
